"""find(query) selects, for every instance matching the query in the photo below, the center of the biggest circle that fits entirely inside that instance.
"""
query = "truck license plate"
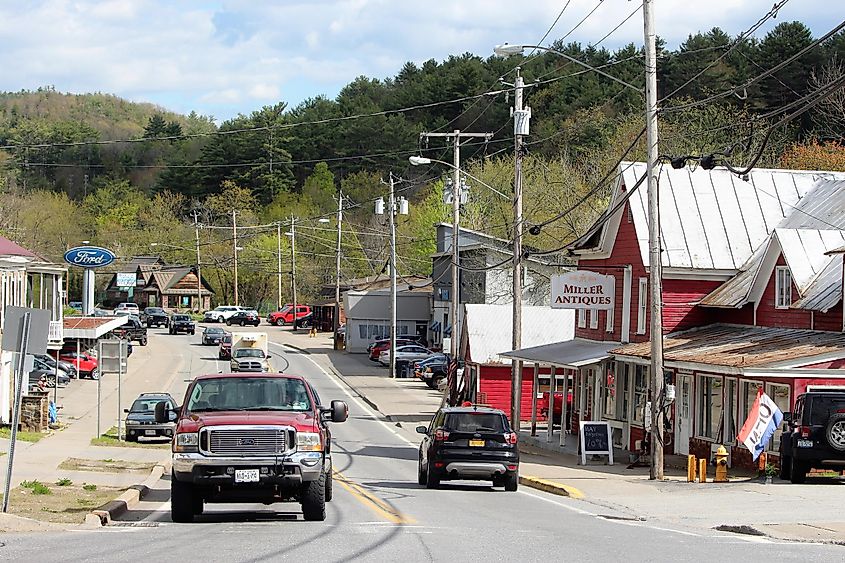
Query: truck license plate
(246, 475)
(805, 443)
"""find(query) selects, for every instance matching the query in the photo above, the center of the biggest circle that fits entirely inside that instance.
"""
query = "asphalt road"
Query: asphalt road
(379, 513)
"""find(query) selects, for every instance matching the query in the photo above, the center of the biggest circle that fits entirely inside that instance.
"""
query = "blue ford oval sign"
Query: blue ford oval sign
(89, 257)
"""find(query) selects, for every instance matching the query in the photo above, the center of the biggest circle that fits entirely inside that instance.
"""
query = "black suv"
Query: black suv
(182, 323)
(155, 316)
(474, 443)
(815, 435)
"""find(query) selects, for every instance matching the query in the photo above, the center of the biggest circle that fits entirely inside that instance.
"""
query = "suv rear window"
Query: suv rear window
(824, 407)
(475, 422)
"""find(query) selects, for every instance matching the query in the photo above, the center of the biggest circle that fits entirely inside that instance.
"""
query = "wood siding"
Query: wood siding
(495, 383)
(680, 311)
(768, 315)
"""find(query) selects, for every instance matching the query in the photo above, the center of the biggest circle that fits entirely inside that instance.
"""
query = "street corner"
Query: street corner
(550, 486)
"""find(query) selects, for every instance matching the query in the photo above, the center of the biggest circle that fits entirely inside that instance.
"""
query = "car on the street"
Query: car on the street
(379, 346)
(814, 435)
(86, 365)
(406, 353)
(127, 308)
(249, 359)
(257, 438)
(471, 442)
(140, 417)
(212, 335)
(132, 330)
(220, 313)
(285, 315)
(66, 367)
(182, 323)
(155, 317)
(243, 318)
(224, 352)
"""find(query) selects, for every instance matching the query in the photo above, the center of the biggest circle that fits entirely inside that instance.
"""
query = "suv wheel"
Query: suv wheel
(314, 500)
(421, 477)
(797, 471)
(432, 480)
(836, 432)
(95, 374)
(280, 322)
(144, 341)
(182, 501)
(511, 482)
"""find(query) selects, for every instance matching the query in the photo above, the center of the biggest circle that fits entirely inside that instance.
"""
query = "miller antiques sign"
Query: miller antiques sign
(583, 289)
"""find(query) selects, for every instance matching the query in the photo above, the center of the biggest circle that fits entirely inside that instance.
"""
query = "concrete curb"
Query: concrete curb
(550, 486)
(119, 506)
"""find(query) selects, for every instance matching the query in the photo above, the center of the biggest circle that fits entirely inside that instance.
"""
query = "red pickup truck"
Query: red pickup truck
(251, 437)
(285, 316)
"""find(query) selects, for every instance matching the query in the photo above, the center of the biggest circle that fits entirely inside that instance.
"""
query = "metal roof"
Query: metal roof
(489, 329)
(712, 220)
(571, 353)
(90, 327)
(825, 291)
(742, 346)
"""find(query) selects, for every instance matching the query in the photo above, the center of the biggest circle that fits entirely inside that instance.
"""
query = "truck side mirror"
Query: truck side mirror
(340, 412)
(161, 412)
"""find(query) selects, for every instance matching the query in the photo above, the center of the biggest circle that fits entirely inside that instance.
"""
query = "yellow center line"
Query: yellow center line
(374, 503)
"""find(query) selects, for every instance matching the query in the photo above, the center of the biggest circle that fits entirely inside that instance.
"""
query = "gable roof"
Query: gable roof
(489, 330)
(709, 219)
(11, 248)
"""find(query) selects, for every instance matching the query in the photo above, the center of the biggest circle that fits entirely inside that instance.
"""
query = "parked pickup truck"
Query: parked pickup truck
(133, 330)
(155, 316)
(182, 323)
(251, 437)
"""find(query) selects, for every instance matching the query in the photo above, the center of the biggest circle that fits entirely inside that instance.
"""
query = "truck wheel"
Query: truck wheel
(193, 332)
(280, 322)
(329, 483)
(314, 500)
(144, 341)
(785, 466)
(511, 482)
(182, 502)
(797, 472)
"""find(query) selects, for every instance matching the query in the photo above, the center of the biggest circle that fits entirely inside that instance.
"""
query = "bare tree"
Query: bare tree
(830, 114)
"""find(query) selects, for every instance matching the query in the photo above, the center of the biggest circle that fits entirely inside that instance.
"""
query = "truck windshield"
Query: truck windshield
(249, 353)
(249, 394)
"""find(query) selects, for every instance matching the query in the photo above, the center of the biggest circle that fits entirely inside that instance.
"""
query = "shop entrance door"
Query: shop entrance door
(683, 415)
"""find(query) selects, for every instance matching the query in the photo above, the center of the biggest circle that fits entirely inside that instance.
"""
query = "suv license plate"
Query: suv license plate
(246, 475)
(149, 432)
(476, 443)
(805, 443)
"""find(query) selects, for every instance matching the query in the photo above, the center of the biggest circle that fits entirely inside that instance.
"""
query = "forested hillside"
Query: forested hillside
(125, 175)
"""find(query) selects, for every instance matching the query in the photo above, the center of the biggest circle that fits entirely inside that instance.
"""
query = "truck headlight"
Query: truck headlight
(308, 442)
(186, 442)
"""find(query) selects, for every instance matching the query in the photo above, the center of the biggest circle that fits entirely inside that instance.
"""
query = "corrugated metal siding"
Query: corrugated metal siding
(495, 382)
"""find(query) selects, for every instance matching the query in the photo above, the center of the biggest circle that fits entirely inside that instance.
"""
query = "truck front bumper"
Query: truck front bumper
(288, 470)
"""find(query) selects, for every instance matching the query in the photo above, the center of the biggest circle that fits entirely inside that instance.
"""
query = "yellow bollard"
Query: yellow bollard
(691, 463)
(702, 470)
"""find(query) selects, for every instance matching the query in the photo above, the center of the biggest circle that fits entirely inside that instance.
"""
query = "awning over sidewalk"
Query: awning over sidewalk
(570, 353)
(91, 327)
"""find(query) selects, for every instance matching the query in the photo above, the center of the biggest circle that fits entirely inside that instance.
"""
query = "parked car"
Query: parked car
(380, 346)
(304, 322)
(133, 330)
(285, 315)
(220, 313)
(66, 367)
(474, 443)
(155, 317)
(814, 437)
(432, 369)
(98, 312)
(182, 323)
(140, 417)
(86, 365)
(212, 335)
(42, 369)
(76, 306)
(126, 308)
(244, 318)
(408, 353)
(224, 352)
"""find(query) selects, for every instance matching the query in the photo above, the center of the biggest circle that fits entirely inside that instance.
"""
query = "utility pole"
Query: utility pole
(235, 250)
(279, 265)
(654, 245)
(521, 118)
(293, 266)
(454, 309)
(336, 316)
(199, 275)
(391, 212)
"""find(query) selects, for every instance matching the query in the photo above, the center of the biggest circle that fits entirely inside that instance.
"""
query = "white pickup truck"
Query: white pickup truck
(249, 352)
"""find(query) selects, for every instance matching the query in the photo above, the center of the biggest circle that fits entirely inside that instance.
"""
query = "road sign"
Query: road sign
(112, 357)
(39, 327)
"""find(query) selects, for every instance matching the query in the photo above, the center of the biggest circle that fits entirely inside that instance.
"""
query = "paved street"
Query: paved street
(379, 513)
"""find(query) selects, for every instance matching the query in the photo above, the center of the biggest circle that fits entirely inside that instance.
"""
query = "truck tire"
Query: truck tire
(182, 501)
(835, 432)
(797, 472)
(314, 500)
(143, 341)
(329, 487)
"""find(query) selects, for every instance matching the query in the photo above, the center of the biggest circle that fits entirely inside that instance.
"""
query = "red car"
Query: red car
(285, 316)
(86, 365)
(380, 346)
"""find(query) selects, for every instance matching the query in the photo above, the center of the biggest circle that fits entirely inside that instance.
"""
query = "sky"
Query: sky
(229, 57)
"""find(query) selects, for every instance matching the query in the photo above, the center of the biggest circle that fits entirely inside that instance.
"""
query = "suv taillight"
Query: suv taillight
(510, 438)
(441, 435)
(805, 431)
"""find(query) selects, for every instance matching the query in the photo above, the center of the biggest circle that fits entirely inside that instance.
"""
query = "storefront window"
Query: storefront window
(640, 392)
(624, 386)
(780, 395)
(709, 406)
(747, 396)
(730, 411)
(610, 390)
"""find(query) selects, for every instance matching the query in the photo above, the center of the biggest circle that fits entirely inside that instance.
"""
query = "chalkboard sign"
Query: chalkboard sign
(595, 440)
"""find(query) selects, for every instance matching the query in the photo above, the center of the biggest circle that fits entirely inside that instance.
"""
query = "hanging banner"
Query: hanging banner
(583, 289)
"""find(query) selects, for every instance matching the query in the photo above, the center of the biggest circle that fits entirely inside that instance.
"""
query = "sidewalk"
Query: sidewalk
(779, 510)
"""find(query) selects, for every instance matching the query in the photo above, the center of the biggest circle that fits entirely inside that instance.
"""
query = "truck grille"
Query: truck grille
(250, 366)
(247, 441)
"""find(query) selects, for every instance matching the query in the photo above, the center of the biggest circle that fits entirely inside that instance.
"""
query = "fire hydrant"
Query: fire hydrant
(721, 462)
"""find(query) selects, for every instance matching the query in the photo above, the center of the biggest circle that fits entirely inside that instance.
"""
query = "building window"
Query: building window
(594, 318)
(582, 318)
(709, 406)
(730, 411)
(623, 384)
(610, 390)
(643, 305)
(783, 287)
(609, 323)
(444, 294)
(640, 392)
